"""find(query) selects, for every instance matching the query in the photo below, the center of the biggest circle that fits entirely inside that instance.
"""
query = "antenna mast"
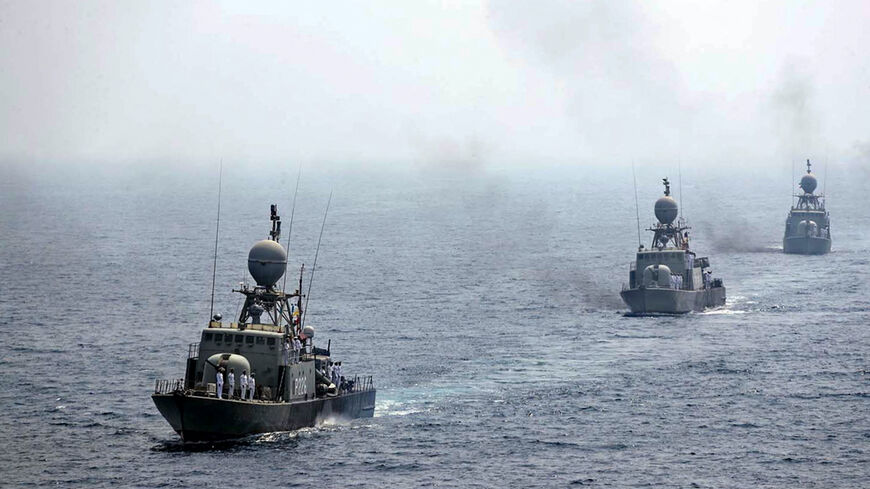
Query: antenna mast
(290, 231)
(314, 265)
(216, 232)
(636, 208)
(680, 180)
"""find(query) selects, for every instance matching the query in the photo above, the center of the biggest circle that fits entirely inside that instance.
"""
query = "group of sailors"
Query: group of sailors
(677, 280)
(293, 348)
(335, 374)
(247, 385)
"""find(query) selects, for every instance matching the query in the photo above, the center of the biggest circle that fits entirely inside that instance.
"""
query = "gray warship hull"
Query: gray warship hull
(806, 245)
(670, 301)
(200, 418)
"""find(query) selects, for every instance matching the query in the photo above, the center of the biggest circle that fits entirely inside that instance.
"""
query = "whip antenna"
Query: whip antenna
(290, 231)
(680, 182)
(216, 232)
(636, 208)
(314, 265)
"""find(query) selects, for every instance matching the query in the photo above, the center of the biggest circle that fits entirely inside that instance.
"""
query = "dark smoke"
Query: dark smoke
(793, 105)
(737, 235)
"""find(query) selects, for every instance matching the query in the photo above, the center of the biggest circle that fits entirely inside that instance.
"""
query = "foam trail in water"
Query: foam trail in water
(392, 407)
(722, 311)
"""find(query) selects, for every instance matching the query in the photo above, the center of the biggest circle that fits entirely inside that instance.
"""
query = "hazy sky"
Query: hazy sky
(456, 83)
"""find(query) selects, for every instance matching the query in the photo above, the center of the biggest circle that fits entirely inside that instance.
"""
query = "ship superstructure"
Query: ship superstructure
(667, 277)
(808, 225)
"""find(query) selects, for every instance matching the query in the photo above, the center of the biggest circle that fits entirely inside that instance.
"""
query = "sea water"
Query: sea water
(484, 302)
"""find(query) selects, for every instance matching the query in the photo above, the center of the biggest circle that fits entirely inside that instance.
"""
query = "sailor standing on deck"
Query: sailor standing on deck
(219, 378)
(231, 384)
(297, 345)
(285, 351)
(243, 385)
(251, 385)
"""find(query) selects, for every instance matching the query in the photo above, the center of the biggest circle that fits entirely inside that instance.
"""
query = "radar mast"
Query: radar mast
(267, 263)
(808, 201)
(665, 232)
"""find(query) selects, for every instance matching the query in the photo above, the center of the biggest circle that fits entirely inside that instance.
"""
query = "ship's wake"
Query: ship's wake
(417, 399)
(722, 311)
(733, 305)
(392, 407)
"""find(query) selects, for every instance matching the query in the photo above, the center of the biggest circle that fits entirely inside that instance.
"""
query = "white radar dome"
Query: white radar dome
(666, 209)
(267, 261)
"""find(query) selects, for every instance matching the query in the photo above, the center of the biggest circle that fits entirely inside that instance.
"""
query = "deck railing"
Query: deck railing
(361, 384)
(166, 386)
(271, 328)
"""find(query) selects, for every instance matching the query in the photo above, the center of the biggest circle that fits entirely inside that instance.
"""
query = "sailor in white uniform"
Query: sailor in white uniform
(243, 385)
(219, 379)
(297, 345)
(286, 351)
(231, 384)
(251, 386)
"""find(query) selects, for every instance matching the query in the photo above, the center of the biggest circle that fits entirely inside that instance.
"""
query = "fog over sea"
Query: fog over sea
(485, 303)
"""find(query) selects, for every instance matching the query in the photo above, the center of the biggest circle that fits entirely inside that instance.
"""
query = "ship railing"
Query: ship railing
(362, 384)
(270, 328)
(166, 386)
(193, 350)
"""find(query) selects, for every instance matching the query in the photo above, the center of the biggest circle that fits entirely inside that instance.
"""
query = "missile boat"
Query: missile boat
(296, 384)
(808, 225)
(667, 277)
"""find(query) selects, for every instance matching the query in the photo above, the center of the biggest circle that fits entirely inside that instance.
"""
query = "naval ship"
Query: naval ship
(293, 389)
(808, 225)
(668, 278)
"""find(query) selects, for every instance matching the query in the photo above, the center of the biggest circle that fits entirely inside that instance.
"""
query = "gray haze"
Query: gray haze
(434, 83)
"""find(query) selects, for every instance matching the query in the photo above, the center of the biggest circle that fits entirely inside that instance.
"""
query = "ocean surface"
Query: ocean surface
(484, 302)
